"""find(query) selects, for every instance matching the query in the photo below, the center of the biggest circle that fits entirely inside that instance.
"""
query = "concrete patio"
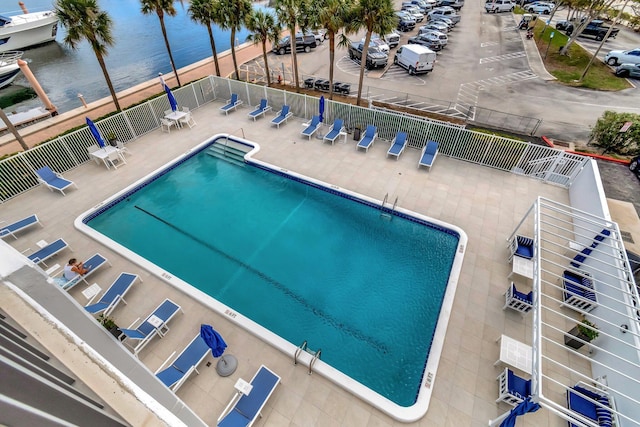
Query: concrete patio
(486, 203)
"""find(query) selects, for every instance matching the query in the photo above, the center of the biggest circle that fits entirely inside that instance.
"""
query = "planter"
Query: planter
(573, 343)
(115, 331)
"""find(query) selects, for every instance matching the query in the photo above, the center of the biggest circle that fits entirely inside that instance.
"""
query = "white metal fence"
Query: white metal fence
(17, 173)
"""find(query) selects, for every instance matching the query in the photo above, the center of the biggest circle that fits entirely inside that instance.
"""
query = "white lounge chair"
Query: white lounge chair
(429, 154)
(397, 145)
(14, 227)
(244, 409)
(174, 375)
(232, 104)
(369, 137)
(154, 324)
(112, 297)
(92, 264)
(260, 109)
(53, 180)
(512, 388)
(336, 131)
(282, 116)
(46, 252)
(311, 127)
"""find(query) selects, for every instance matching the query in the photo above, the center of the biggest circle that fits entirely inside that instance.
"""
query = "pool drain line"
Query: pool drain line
(299, 299)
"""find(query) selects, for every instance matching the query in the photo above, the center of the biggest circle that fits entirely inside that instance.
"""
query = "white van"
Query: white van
(415, 58)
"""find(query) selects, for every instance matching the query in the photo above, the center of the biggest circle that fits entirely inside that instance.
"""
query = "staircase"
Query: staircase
(228, 150)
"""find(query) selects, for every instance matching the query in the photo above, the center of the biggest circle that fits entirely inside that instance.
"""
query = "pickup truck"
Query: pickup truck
(375, 58)
(595, 28)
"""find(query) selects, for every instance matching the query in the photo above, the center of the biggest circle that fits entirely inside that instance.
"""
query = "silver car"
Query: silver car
(436, 26)
(628, 70)
(616, 57)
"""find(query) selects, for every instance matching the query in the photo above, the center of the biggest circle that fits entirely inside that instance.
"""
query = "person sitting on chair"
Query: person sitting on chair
(74, 269)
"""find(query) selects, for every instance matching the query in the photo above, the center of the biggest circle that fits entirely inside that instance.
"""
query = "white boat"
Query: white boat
(9, 68)
(28, 29)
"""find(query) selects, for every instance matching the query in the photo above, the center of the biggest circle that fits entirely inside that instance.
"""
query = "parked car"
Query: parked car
(634, 167)
(374, 58)
(540, 7)
(379, 43)
(563, 25)
(443, 39)
(616, 57)
(421, 4)
(406, 22)
(415, 59)
(435, 26)
(446, 21)
(415, 12)
(628, 70)
(320, 35)
(429, 40)
(496, 6)
(444, 12)
(456, 4)
(303, 44)
(596, 29)
(392, 39)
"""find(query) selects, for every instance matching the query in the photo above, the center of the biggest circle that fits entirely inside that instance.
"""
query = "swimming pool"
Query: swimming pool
(305, 260)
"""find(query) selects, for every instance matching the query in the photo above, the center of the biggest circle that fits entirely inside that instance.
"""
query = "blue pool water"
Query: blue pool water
(302, 262)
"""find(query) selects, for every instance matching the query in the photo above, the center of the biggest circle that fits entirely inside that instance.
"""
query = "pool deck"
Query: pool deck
(486, 203)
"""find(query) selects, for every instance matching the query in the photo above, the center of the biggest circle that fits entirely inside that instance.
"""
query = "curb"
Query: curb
(600, 157)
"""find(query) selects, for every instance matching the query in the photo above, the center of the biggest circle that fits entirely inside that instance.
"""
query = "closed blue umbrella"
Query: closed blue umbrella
(172, 99)
(227, 364)
(321, 109)
(213, 340)
(95, 132)
(523, 407)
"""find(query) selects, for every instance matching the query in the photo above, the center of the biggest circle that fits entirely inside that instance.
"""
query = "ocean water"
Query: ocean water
(364, 289)
(138, 53)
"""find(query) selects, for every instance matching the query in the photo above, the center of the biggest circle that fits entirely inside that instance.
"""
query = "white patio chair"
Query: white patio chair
(165, 125)
(188, 120)
(116, 159)
(122, 149)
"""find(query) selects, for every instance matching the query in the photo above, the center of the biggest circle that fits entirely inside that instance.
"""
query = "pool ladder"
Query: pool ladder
(386, 212)
(315, 354)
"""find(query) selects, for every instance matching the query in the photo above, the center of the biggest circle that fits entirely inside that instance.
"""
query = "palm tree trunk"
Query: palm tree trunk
(213, 50)
(166, 42)
(233, 53)
(14, 131)
(266, 62)
(294, 51)
(332, 55)
(108, 79)
(363, 61)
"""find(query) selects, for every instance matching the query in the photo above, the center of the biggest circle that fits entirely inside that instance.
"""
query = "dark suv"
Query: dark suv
(303, 44)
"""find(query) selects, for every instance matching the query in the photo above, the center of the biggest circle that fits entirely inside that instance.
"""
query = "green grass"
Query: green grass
(569, 68)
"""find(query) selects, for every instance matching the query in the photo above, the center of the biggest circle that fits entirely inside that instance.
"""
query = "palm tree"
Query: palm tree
(293, 13)
(375, 16)
(205, 12)
(332, 15)
(84, 20)
(232, 15)
(160, 7)
(265, 29)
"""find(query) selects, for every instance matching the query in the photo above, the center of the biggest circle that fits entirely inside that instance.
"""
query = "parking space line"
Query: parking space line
(504, 57)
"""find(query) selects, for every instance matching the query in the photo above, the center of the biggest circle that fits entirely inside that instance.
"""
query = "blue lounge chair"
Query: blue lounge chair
(92, 264)
(231, 104)
(429, 154)
(581, 257)
(518, 301)
(335, 132)
(154, 324)
(397, 145)
(369, 137)
(578, 292)
(512, 388)
(521, 246)
(113, 295)
(14, 227)
(311, 127)
(51, 249)
(282, 116)
(592, 404)
(260, 109)
(53, 180)
(176, 374)
(244, 409)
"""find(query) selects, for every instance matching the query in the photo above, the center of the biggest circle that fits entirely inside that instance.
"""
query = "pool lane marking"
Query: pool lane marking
(333, 322)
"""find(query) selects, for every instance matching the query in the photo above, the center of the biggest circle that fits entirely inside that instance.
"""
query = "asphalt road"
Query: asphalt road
(620, 183)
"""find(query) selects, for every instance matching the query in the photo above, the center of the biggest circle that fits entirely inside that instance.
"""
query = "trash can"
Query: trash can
(356, 133)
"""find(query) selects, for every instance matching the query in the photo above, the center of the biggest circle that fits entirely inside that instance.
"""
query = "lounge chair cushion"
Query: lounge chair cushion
(603, 414)
(577, 398)
(518, 387)
(525, 247)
